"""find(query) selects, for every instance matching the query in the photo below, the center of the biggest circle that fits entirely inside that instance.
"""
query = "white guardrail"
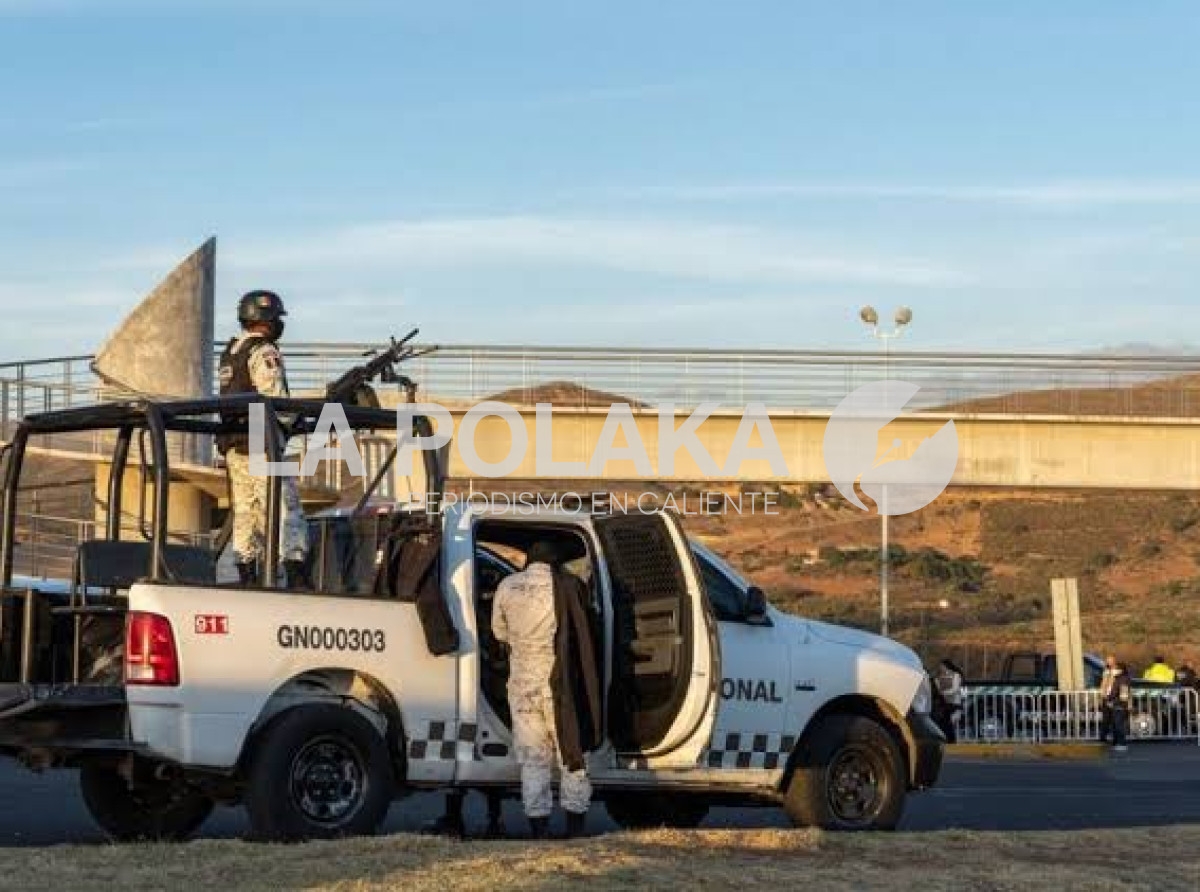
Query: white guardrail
(988, 716)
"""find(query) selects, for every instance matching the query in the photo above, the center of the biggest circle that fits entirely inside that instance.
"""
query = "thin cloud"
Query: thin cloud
(560, 100)
(583, 96)
(23, 172)
(1050, 195)
(93, 125)
(69, 295)
(735, 254)
(162, 7)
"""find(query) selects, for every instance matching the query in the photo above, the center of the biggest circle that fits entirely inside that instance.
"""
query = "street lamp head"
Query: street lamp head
(868, 316)
(903, 317)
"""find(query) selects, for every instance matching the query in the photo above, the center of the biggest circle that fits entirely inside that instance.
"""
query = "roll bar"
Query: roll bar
(158, 418)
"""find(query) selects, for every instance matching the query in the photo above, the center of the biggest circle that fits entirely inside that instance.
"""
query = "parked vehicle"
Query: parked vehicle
(172, 691)
(1015, 705)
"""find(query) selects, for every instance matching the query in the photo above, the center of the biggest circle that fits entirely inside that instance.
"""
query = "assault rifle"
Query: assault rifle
(354, 387)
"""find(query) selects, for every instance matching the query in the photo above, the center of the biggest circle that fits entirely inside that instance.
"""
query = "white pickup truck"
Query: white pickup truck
(317, 710)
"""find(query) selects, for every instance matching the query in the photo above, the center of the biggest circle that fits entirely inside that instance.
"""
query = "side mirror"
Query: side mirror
(756, 606)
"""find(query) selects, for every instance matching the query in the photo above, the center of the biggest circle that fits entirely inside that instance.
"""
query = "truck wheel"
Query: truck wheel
(988, 724)
(641, 811)
(1143, 726)
(153, 811)
(318, 772)
(852, 778)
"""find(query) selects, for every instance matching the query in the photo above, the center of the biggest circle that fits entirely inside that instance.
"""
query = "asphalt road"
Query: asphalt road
(1149, 786)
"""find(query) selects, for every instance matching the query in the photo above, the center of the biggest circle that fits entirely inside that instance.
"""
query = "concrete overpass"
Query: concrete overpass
(994, 450)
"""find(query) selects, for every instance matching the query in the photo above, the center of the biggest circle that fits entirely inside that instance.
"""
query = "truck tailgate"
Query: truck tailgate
(63, 716)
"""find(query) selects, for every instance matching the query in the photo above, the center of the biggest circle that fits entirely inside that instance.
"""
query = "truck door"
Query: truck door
(662, 696)
(756, 675)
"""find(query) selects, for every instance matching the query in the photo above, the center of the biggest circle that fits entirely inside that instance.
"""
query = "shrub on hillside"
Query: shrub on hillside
(1150, 549)
(1179, 587)
(832, 555)
(966, 573)
(795, 564)
(1184, 522)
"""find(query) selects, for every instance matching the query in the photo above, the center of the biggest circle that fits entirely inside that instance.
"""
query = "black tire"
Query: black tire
(989, 724)
(852, 778)
(318, 772)
(642, 811)
(156, 811)
(1143, 725)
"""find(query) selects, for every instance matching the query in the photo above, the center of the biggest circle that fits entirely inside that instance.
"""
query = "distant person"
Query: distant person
(1116, 695)
(1159, 671)
(1185, 676)
(948, 684)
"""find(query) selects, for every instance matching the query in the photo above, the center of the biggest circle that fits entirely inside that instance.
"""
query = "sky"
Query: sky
(1024, 175)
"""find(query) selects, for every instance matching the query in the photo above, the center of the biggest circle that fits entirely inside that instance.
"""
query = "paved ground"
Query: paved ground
(1149, 786)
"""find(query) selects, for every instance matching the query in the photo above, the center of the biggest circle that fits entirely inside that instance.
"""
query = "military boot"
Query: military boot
(451, 822)
(297, 576)
(495, 829)
(247, 573)
(495, 817)
(539, 828)
(447, 825)
(576, 821)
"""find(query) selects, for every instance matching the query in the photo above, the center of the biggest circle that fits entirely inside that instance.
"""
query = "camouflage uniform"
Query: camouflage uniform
(524, 618)
(249, 493)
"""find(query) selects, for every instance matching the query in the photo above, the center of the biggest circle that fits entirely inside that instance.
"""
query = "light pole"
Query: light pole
(871, 319)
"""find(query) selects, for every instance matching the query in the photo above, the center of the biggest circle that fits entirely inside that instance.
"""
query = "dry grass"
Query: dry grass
(1167, 858)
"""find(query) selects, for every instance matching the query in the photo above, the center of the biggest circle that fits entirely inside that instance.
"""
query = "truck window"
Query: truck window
(724, 595)
(346, 551)
(1050, 670)
(1023, 667)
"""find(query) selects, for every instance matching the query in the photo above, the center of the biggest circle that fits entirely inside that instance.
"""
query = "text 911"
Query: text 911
(212, 624)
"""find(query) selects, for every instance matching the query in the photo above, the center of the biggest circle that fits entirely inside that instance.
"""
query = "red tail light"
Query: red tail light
(150, 655)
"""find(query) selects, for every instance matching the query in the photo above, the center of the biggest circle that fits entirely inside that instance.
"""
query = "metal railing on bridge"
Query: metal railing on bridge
(783, 380)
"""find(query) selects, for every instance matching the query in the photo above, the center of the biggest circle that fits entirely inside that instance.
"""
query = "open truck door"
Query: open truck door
(662, 697)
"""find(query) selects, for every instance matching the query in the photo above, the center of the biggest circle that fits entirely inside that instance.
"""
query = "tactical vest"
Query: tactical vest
(233, 372)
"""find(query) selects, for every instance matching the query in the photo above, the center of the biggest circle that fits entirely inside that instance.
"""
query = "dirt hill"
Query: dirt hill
(561, 393)
(1173, 397)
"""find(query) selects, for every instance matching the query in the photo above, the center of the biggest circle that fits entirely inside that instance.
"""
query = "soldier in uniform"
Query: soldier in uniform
(553, 690)
(252, 363)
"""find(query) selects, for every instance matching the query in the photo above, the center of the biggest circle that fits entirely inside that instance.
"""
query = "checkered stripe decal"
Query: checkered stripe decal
(446, 741)
(733, 750)
(443, 741)
(767, 751)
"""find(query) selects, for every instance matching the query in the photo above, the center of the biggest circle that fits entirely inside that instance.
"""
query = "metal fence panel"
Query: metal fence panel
(993, 716)
(1169, 714)
(1007, 716)
(1066, 716)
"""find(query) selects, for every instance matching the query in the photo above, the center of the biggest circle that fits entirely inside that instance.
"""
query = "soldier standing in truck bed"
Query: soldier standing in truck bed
(252, 363)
